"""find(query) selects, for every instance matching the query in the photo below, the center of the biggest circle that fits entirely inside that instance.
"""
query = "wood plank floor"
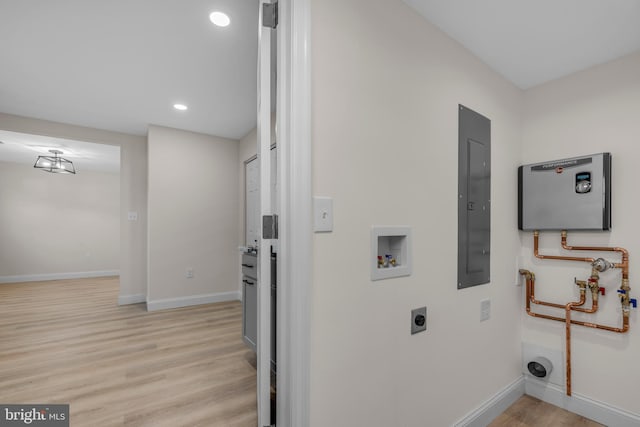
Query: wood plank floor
(531, 412)
(68, 341)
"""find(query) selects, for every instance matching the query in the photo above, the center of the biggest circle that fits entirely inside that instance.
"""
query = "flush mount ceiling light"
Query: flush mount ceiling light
(54, 164)
(180, 107)
(220, 19)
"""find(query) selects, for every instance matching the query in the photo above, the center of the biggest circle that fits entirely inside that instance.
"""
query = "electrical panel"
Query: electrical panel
(566, 194)
(474, 198)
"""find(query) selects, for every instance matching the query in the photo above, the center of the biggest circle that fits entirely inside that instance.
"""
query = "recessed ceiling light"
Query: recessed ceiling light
(180, 107)
(220, 19)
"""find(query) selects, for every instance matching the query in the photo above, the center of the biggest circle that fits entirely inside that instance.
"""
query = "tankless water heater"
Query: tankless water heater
(567, 194)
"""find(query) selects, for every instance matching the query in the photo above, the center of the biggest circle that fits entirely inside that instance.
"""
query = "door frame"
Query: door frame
(263, 151)
(295, 201)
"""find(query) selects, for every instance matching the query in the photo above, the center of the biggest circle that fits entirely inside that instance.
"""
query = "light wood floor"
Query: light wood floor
(531, 412)
(67, 341)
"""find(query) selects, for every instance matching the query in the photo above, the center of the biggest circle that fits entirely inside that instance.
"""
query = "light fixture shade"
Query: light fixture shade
(54, 164)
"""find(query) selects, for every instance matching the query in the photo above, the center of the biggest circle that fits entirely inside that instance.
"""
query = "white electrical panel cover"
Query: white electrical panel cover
(566, 194)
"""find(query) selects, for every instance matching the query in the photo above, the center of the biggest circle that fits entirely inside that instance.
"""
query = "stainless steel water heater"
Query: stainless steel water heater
(567, 194)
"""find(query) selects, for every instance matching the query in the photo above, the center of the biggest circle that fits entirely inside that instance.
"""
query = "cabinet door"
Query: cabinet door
(273, 327)
(250, 312)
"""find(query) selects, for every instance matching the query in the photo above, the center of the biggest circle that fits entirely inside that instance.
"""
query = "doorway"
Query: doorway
(58, 225)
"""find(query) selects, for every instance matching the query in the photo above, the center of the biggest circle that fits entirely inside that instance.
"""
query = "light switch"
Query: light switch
(485, 309)
(322, 214)
(133, 216)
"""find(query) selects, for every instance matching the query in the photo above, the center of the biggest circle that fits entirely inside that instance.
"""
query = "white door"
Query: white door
(252, 198)
(252, 203)
(265, 241)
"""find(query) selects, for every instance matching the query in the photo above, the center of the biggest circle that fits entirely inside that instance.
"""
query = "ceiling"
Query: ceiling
(534, 41)
(121, 65)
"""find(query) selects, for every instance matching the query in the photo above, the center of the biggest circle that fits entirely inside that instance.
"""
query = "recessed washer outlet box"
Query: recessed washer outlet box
(390, 243)
(530, 352)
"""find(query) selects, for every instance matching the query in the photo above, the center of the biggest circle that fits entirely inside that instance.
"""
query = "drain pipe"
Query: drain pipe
(567, 330)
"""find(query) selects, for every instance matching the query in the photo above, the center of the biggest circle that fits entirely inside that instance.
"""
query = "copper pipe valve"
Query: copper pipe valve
(602, 264)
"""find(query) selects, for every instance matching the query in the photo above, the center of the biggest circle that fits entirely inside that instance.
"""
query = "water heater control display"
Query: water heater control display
(583, 182)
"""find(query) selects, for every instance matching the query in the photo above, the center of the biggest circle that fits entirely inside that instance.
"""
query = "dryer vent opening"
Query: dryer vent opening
(540, 367)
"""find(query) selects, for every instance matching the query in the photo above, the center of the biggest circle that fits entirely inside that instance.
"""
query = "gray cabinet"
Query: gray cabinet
(250, 303)
(250, 300)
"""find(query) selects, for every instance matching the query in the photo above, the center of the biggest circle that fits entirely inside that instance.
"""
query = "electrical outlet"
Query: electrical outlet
(189, 273)
(418, 320)
(485, 309)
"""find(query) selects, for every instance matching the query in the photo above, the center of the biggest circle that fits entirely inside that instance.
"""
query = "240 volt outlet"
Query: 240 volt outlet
(418, 320)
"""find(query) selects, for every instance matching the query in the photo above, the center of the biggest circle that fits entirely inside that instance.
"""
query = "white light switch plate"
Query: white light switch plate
(133, 216)
(322, 214)
(485, 309)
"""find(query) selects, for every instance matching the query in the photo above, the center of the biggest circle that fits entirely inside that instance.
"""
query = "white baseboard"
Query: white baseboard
(57, 276)
(582, 405)
(163, 304)
(489, 410)
(131, 299)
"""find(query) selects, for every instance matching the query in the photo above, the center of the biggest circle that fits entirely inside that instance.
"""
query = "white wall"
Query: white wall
(193, 217)
(386, 89)
(133, 190)
(591, 112)
(52, 223)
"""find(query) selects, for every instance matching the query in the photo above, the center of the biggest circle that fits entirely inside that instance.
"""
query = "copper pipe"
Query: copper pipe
(567, 347)
(536, 234)
(595, 289)
(624, 265)
(531, 278)
(567, 342)
(625, 322)
(594, 304)
(593, 285)
(593, 309)
(530, 284)
(625, 325)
